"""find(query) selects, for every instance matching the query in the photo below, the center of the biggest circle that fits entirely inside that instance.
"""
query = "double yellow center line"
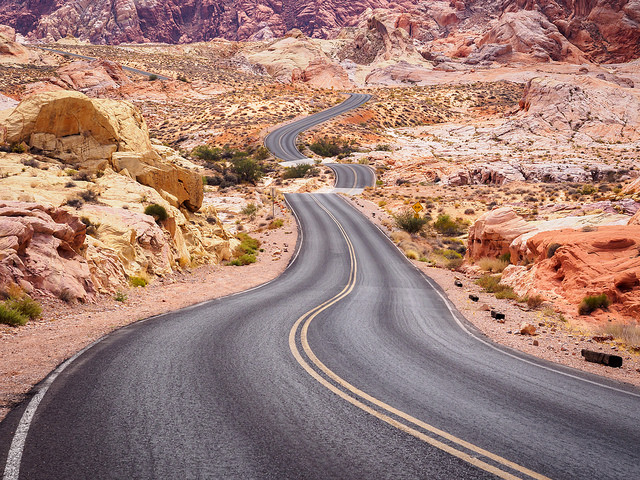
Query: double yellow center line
(403, 421)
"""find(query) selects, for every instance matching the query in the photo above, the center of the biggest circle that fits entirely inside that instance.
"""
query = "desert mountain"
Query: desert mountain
(598, 30)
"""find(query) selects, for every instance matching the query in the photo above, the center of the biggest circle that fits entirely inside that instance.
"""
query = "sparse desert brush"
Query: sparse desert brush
(120, 296)
(299, 171)
(551, 251)
(248, 245)
(26, 306)
(250, 210)
(412, 254)
(138, 281)
(408, 222)
(274, 224)
(447, 226)
(244, 259)
(491, 284)
(628, 333)
(493, 265)
(591, 303)
(534, 301)
(9, 316)
(399, 236)
(156, 211)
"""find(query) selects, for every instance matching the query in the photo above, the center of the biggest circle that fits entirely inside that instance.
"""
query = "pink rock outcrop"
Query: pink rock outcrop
(491, 235)
(41, 249)
(573, 264)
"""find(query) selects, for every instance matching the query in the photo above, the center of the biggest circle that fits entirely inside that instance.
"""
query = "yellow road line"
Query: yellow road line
(306, 320)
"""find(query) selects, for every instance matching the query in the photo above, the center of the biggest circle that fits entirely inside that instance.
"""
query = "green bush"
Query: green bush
(120, 296)
(446, 226)
(408, 222)
(494, 265)
(12, 317)
(298, 171)
(250, 210)
(207, 153)
(153, 77)
(156, 211)
(277, 223)
(331, 147)
(247, 169)
(592, 303)
(138, 281)
(26, 306)
(491, 284)
(244, 259)
(247, 244)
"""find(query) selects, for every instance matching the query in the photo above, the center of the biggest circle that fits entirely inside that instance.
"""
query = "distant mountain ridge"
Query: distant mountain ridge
(602, 30)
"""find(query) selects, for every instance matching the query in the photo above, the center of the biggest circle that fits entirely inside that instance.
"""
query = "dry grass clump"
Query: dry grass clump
(493, 265)
(491, 284)
(626, 333)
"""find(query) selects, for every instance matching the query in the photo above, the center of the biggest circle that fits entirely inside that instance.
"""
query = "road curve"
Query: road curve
(85, 57)
(350, 179)
(349, 365)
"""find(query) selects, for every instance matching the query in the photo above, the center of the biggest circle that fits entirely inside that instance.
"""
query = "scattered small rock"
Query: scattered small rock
(474, 298)
(458, 283)
(536, 343)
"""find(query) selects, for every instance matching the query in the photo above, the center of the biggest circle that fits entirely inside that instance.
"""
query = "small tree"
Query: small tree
(247, 169)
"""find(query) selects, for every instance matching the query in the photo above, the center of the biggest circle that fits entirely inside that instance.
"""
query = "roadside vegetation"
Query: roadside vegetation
(18, 307)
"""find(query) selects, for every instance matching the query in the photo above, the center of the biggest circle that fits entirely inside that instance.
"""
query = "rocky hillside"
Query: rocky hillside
(598, 30)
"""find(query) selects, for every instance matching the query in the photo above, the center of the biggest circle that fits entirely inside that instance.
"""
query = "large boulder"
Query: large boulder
(94, 133)
(491, 235)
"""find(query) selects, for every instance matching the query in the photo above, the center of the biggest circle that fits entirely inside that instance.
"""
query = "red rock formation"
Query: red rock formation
(586, 263)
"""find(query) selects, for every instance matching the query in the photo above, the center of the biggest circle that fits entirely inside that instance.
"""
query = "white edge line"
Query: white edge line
(499, 348)
(14, 457)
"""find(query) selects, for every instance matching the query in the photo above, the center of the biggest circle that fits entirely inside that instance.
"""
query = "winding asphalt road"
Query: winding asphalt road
(350, 365)
(85, 57)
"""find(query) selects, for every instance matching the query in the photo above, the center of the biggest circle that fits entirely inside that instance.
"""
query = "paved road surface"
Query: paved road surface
(350, 365)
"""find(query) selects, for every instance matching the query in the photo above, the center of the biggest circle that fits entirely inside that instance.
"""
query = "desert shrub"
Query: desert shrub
(138, 281)
(207, 153)
(412, 254)
(247, 169)
(248, 245)
(408, 222)
(120, 296)
(18, 148)
(446, 226)
(454, 263)
(25, 305)
(383, 148)
(214, 180)
(299, 171)
(75, 202)
(69, 185)
(153, 77)
(182, 78)
(261, 153)
(250, 210)
(506, 292)
(593, 302)
(627, 333)
(535, 301)
(244, 259)
(331, 147)
(92, 228)
(88, 196)
(156, 211)
(469, 211)
(551, 251)
(277, 223)
(12, 317)
(31, 162)
(491, 284)
(82, 177)
(494, 265)
(450, 254)
(505, 257)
